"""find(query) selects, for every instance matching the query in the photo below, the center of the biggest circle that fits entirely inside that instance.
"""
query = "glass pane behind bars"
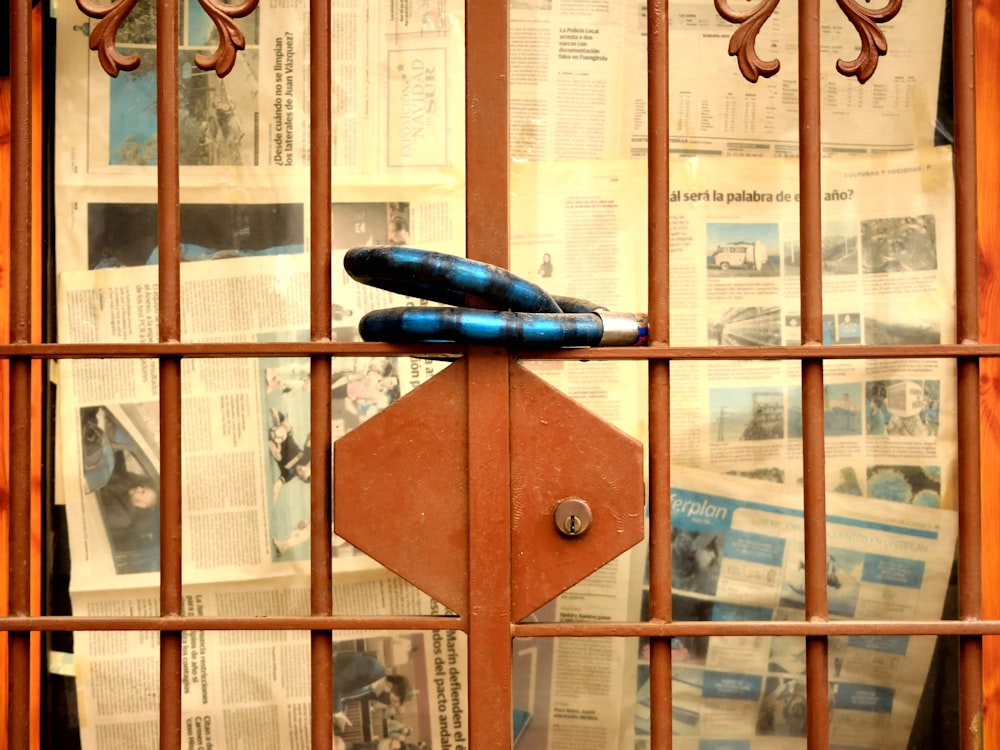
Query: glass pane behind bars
(577, 125)
(246, 221)
(578, 118)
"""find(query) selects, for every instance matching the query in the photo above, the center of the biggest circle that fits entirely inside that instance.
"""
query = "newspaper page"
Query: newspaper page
(398, 178)
(397, 72)
(246, 421)
(578, 227)
(888, 278)
(888, 273)
(574, 63)
(251, 689)
(738, 555)
(246, 468)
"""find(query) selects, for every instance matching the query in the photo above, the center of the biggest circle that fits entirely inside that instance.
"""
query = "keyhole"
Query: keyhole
(572, 516)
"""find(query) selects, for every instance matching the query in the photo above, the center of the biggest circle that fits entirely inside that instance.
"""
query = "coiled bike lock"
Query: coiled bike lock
(525, 315)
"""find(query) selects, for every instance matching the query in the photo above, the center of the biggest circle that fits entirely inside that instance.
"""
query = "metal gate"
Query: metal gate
(487, 573)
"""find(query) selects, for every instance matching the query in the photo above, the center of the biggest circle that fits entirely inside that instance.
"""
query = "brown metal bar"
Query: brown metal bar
(358, 349)
(658, 438)
(970, 602)
(320, 171)
(487, 239)
(810, 153)
(489, 619)
(486, 136)
(970, 557)
(814, 521)
(762, 628)
(726, 353)
(19, 528)
(63, 623)
(168, 213)
(811, 308)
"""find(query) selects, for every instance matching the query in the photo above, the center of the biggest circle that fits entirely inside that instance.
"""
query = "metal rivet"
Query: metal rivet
(572, 516)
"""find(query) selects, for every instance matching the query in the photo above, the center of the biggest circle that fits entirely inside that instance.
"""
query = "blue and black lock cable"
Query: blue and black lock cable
(526, 315)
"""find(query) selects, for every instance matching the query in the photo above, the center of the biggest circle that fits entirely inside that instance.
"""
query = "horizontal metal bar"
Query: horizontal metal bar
(725, 353)
(218, 350)
(762, 628)
(67, 623)
(359, 349)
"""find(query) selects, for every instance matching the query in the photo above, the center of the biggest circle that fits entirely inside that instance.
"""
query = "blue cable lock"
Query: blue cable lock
(526, 315)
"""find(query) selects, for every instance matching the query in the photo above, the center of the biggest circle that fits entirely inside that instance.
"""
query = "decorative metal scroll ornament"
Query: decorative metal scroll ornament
(104, 36)
(873, 43)
(743, 41)
(742, 44)
(231, 38)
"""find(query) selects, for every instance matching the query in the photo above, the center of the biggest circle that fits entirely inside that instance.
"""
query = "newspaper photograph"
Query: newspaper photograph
(737, 554)
(106, 227)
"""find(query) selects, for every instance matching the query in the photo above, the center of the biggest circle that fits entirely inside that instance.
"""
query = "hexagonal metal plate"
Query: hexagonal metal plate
(401, 485)
(560, 450)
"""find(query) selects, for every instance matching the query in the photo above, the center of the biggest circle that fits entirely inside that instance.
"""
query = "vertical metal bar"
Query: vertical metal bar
(19, 542)
(490, 693)
(811, 302)
(814, 489)
(660, 604)
(970, 602)
(486, 137)
(168, 237)
(810, 204)
(487, 235)
(321, 594)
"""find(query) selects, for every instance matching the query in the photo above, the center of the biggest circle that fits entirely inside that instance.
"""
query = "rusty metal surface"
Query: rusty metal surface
(487, 156)
(168, 236)
(320, 516)
(490, 644)
(481, 536)
(970, 555)
(742, 44)
(811, 307)
(400, 487)
(64, 623)
(873, 43)
(559, 450)
(658, 436)
(18, 704)
(609, 354)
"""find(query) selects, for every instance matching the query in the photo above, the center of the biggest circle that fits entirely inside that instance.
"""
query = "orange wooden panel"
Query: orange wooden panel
(988, 196)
